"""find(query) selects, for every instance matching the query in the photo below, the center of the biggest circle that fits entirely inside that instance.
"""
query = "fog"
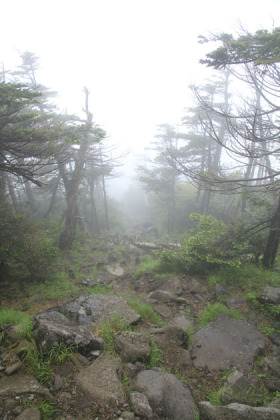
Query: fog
(138, 60)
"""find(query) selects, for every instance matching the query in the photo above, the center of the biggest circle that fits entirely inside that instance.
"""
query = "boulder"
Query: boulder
(50, 333)
(162, 296)
(96, 308)
(114, 269)
(100, 382)
(132, 347)
(167, 396)
(140, 405)
(169, 336)
(19, 384)
(237, 411)
(227, 343)
(270, 295)
(164, 311)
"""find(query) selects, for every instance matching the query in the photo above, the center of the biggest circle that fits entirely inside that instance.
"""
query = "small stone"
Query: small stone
(13, 368)
(58, 382)
(140, 405)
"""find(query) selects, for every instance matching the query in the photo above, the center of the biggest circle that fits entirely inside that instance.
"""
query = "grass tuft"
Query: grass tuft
(211, 312)
(146, 311)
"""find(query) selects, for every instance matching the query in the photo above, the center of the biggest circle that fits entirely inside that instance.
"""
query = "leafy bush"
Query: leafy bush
(211, 244)
(26, 251)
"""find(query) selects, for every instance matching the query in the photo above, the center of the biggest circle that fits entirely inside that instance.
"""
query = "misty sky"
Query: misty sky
(137, 57)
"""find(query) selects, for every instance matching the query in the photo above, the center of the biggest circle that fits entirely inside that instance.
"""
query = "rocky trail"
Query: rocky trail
(229, 356)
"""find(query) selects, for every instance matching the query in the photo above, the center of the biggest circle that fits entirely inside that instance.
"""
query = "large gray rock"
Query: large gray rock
(49, 333)
(100, 381)
(237, 411)
(167, 396)
(227, 343)
(96, 308)
(22, 384)
(132, 347)
(270, 295)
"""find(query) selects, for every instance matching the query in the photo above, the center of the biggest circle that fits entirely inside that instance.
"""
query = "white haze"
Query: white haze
(136, 57)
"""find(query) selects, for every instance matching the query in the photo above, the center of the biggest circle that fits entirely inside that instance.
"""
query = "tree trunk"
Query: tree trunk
(94, 217)
(273, 240)
(72, 216)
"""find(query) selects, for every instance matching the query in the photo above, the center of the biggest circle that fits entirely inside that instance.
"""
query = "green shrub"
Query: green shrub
(26, 250)
(211, 312)
(211, 244)
(247, 275)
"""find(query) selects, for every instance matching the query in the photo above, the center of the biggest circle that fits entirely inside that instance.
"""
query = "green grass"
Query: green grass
(156, 355)
(99, 289)
(211, 312)
(148, 264)
(47, 409)
(247, 276)
(214, 397)
(13, 317)
(146, 311)
(108, 329)
(39, 365)
(59, 287)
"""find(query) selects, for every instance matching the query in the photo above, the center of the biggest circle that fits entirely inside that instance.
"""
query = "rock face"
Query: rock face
(132, 347)
(100, 381)
(167, 396)
(237, 412)
(227, 343)
(53, 328)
